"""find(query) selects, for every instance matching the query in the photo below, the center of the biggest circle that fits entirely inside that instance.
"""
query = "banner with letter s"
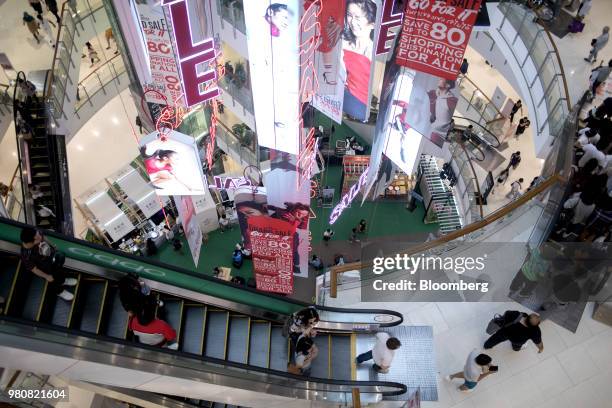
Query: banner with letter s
(435, 34)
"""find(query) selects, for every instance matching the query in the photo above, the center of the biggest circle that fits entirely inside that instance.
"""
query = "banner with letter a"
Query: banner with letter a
(434, 35)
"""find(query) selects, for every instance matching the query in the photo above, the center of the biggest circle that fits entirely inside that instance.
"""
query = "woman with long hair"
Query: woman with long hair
(159, 167)
(357, 45)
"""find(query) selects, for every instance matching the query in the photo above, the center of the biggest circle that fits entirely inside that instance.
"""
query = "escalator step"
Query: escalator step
(278, 349)
(33, 297)
(61, 310)
(92, 296)
(216, 334)
(238, 339)
(193, 329)
(8, 268)
(259, 346)
(218, 405)
(341, 357)
(320, 365)
(173, 310)
(116, 316)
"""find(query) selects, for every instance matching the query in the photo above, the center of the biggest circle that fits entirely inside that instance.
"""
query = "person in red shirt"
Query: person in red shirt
(357, 45)
(151, 330)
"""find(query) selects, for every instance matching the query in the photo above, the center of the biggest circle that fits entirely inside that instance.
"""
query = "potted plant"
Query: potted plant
(240, 75)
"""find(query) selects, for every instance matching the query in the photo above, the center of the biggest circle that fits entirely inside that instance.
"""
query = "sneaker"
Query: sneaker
(160, 303)
(70, 282)
(448, 378)
(466, 390)
(67, 296)
(172, 346)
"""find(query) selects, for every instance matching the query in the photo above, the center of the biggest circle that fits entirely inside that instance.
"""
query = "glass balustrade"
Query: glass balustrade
(104, 79)
(233, 12)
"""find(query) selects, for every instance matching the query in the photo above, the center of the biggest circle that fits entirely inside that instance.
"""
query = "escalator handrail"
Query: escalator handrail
(19, 153)
(250, 291)
(402, 388)
(484, 128)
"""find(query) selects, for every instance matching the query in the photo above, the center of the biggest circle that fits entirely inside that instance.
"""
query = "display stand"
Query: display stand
(401, 186)
(352, 168)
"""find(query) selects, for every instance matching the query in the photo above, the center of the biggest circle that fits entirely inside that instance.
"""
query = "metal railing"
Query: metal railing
(99, 80)
(478, 102)
(472, 207)
(13, 202)
(233, 12)
(243, 95)
(542, 53)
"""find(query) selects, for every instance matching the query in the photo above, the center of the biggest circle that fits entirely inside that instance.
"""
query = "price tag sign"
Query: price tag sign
(434, 35)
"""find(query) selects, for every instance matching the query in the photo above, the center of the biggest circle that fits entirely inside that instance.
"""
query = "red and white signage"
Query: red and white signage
(272, 250)
(164, 72)
(197, 60)
(434, 35)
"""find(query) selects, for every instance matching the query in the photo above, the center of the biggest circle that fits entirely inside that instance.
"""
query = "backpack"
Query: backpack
(498, 322)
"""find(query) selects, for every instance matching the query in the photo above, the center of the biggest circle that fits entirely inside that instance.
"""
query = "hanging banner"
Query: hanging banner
(434, 35)
(172, 163)
(249, 202)
(274, 61)
(164, 72)
(290, 203)
(431, 106)
(358, 53)
(193, 233)
(272, 250)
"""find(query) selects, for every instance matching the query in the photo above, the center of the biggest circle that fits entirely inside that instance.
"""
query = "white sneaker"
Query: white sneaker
(467, 390)
(160, 303)
(172, 346)
(67, 296)
(448, 378)
(70, 282)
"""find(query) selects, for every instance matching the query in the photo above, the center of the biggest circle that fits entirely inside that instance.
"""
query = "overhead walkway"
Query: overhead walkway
(229, 337)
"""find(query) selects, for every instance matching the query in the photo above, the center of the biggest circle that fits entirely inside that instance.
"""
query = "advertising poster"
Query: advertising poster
(274, 61)
(431, 106)
(272, 245)
(193, 233)
(358, 54)
(164, 72)
(288, 202)
(434, 36)
(172, 163)
(249, 202)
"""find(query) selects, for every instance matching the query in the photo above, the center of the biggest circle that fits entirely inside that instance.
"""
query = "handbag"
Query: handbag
(593, 42)
(498, 322)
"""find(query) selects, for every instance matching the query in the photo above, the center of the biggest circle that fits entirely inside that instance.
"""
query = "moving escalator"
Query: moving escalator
(244, 340)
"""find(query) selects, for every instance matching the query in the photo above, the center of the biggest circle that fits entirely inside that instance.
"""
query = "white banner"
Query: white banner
(272, 40)
(139, 191)
(193, 233)
(109, 216)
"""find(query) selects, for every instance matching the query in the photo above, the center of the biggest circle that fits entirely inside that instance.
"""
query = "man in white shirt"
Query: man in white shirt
(591, 152)
(477, 367)
(382, 353)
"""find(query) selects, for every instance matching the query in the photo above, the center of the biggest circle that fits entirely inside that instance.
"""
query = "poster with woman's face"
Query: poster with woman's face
(358, 53)
(173, 164)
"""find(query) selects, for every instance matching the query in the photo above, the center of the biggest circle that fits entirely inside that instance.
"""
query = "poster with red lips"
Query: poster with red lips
(435, 34)
(272, 250)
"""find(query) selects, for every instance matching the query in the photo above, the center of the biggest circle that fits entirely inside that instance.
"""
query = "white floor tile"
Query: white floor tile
(578, 364)
(549, 377)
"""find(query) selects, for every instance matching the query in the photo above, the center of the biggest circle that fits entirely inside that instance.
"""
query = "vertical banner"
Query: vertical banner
(431, 106)
(193, 233)
(274, 60)
(164, 71)
(289, 202)
(358, 54)
(172, 163)
(434, 35)
(272, 250)
(249, 202)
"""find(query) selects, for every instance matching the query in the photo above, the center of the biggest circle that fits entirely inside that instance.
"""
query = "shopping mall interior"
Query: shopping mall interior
(305, 203)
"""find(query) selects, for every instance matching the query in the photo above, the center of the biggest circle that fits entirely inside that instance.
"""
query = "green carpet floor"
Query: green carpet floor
(383, 219)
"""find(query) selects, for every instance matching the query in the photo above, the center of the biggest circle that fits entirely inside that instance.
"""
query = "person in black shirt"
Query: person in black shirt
(41, 258)
(519, 332)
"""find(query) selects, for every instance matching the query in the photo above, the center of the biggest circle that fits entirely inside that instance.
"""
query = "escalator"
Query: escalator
(232, 344)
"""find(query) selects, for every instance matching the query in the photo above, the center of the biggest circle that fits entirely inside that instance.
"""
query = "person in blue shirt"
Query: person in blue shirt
(237, 258)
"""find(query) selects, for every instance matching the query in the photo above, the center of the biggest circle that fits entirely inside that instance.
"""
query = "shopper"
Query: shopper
(382, 353)
(28, 89)
(338, 259)
(36, 5)
(597, 44)
(52, 6)
(152, 331)
(301, 322)
(139, 123)
(327, 235)
(582, 205)
(590, 151)
(600, 75)
(519, 332)
(522, 125)
(584, 9)
(316, 263)
(44, 24)
(515, 189)
(534, 269)
(32, 25)
(464, 67)
(151, 247)
(305, 352)
(518, 105)
(92, 54)
(467, 134)
(515, 160)
(477, 367)
(168, 233)
(135, 295)
(42, 259)
(237, 257)
(223, 223)
(177, 244)
(353, 237)
(361, 227)
(108, 35)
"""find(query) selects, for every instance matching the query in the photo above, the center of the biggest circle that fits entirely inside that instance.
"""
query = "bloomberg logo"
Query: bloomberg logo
(197, 61)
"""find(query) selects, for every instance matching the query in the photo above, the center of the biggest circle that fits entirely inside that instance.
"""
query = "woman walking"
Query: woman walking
(32, 24)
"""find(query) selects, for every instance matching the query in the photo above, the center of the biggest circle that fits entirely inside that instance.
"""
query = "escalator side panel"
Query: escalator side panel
(115, 322)
(341, 357)
(216, 334)
(259, 347)
(33, 298)
(91, 302)
(278, 349)
(193, 329)
(320, 365)
(238, 341)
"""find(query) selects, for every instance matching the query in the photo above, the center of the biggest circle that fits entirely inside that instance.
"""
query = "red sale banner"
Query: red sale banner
(272, 250)
(434, 35)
